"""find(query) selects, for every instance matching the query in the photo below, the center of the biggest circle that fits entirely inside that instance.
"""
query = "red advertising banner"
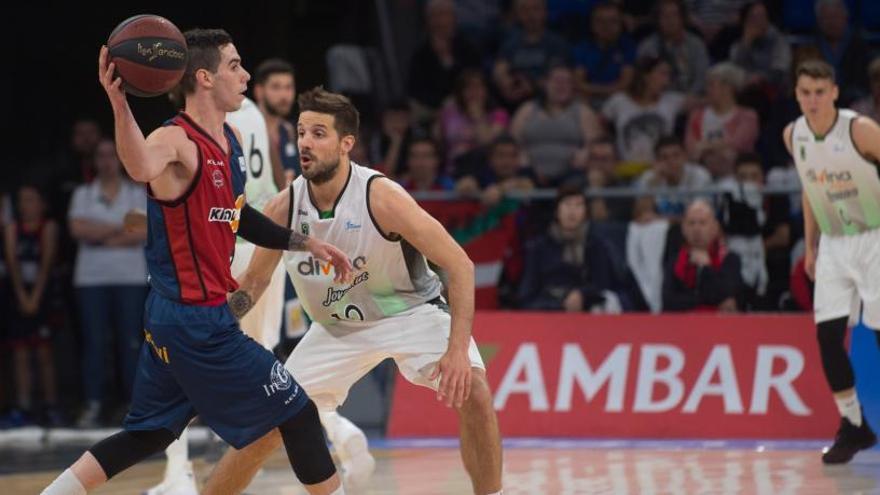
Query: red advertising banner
(640, 376)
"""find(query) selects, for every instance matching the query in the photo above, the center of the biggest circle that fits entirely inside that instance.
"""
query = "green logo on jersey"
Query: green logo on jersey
(305, 228)
(803, 153)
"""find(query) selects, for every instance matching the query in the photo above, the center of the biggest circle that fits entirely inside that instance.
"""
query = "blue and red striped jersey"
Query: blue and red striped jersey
(190, 240)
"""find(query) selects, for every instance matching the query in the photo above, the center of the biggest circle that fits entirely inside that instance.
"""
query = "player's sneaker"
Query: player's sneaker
(181, 483)
(357, 464)
(849, 440)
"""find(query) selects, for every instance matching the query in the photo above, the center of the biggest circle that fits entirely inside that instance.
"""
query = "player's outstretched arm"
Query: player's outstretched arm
(143, 158)
(255, 279)
(396, 212)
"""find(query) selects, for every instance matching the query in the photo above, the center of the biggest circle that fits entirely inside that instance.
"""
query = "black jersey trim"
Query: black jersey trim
(338, 197)
(189, 120)
(392, 237)
(821, 138)
(290, 207)
(192, 251)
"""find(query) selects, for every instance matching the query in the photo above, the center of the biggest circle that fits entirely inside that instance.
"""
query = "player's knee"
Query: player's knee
(831, 334)
(306, 446)
(126, 448)
(480, 399)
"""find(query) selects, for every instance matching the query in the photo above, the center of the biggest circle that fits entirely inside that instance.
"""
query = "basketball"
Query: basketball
(150, 54)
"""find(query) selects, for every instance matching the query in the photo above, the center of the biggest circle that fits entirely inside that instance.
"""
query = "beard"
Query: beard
(280, 110)
(321, 172)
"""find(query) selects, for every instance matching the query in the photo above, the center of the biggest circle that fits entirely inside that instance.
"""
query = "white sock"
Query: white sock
(850, 409)
(499, 492)
(178, 455)
(65, 484)
(339, 491)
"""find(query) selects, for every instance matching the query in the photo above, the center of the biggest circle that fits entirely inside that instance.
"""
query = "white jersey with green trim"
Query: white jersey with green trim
(842, 186)
(391, 275)
(260, 185)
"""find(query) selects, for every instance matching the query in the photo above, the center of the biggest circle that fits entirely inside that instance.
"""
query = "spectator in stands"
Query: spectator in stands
(705, 275)
(387, 145)
(84, 137)
(776, 231)
(30, 248)
(571, 268)
(469, 121)
(604, 63)
(716, 21)
(870, 105)
(440, 59)
(601, 172)
(685, 52)
(719, 130)
(843, 48)
(527, 53)
(762, 50)
(503, 173)
(672, 170)
(555, 128)
(424, 170)
(110, 277)
(645, 112)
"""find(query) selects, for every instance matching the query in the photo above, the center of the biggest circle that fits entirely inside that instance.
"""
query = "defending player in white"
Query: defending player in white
(836, 153)
(392, 307)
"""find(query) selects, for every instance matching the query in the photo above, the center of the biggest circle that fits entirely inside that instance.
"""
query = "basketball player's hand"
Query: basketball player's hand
(113, 86)
(810, 264)
(454, 370)
(342, 267)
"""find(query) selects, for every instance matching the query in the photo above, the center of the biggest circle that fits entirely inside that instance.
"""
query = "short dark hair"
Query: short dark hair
(815, 68)
(501, 140)
(203, 52)
(746, 158)
(269, 68)
(346, 119)
(666, 141)
(568, 189)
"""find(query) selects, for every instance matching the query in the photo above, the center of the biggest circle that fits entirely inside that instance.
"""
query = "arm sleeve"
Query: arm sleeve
(259, 229)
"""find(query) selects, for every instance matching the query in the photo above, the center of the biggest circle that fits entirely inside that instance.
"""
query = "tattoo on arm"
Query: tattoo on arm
(297, 241)
(240, 302)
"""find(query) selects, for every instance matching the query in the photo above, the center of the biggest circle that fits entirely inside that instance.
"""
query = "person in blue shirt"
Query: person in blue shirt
(604, 63)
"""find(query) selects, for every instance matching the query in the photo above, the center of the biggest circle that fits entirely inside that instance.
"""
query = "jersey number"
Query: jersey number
(254, 156)
(351, 312)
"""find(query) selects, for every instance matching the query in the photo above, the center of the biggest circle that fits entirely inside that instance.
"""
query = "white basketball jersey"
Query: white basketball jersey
(843, 187)
(260, 185)
(391, 276)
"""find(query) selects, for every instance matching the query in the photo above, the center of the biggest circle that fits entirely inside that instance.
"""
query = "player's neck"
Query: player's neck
(207, 116)
(821, 124)
(325, 194)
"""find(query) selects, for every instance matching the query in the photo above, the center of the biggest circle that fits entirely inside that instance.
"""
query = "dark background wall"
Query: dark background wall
(51, 75)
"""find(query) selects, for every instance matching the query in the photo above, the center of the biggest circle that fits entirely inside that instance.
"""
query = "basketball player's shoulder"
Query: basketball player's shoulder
(171, 134)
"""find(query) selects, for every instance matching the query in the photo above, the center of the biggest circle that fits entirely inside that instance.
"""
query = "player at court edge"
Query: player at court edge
(393, 307)
(836, 152)
(196, 360)
(263, 321)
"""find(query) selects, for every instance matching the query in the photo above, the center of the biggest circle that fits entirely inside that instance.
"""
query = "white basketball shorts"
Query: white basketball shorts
(847, 276)
(331, 358)
(263, 322)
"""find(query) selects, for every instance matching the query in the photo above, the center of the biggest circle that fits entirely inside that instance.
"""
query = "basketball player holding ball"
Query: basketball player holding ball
(196, 359)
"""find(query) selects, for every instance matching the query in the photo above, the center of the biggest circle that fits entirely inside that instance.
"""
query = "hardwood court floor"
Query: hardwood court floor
(554, 468)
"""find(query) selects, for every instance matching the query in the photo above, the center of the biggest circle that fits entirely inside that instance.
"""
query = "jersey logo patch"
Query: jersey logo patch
(349, 225)
(228, 215)
(217, 178)
(216, 163)
(241, 164)
(305, 228)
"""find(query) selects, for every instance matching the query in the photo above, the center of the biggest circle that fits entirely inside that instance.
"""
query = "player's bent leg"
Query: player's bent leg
(480, 437)
(235, 470)
(308, 454)
(108, 458)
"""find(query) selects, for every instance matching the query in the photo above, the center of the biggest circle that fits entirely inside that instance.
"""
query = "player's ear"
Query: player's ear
(204, 77)
(347, 143)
